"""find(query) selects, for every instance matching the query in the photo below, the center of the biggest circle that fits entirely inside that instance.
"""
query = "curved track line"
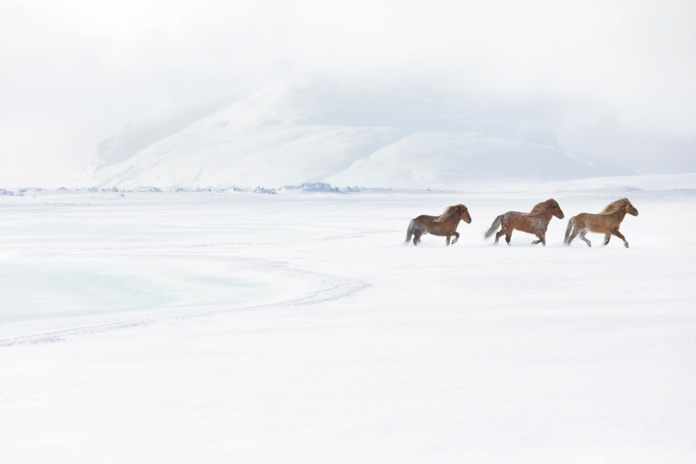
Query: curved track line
(331, 287)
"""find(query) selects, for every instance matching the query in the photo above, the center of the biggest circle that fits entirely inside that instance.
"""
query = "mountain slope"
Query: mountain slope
(442, 159)
(340, 134)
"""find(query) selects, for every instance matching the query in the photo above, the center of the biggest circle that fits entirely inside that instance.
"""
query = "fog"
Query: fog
(615, 79)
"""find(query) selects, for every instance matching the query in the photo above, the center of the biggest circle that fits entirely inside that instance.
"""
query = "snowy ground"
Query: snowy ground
(235, 327)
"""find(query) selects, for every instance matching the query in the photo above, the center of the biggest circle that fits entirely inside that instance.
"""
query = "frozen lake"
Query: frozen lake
(298, 328)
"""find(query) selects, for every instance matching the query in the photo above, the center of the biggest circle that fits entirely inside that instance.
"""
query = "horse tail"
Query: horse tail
(569, 229)
(409, 232)
(493, 228)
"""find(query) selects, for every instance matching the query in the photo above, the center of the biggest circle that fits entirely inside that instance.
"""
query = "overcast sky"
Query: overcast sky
(616, 79)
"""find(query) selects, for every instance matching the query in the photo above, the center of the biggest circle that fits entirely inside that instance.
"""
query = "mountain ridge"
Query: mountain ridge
(341, 134)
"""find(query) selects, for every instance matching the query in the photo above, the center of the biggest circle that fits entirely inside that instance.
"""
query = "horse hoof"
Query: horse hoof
(589, 244)
(627, 245)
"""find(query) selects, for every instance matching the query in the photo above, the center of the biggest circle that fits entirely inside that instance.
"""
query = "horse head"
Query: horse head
(556, 209)
(464, 215)
(630, 209)
(454, 213)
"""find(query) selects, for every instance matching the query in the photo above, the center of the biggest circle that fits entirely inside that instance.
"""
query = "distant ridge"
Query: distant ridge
(341, 134)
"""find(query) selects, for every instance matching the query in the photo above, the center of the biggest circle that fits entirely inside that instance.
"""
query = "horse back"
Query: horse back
(522, 222)
(598, 223)
(428, 224)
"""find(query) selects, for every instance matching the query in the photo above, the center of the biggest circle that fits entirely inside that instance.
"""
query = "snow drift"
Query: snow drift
(344, 135)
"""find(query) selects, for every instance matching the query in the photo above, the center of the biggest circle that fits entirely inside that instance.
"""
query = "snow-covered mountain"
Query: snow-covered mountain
(344, 135)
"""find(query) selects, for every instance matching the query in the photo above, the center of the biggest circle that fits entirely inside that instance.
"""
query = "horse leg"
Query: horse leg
(456, 238)
(448, 240)
(620, 235)
(607, 237)
(541, 240)
(573, 235)
(582, 237)
(508, 236)
(500, 233)
(416, 237)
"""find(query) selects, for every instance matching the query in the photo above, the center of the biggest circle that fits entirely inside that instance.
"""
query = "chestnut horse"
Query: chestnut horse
(607, 222)
(535, 222)
(444, 225)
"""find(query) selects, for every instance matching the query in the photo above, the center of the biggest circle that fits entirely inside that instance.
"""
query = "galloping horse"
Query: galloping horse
(607, 222)
(443, 225)
(535, 222)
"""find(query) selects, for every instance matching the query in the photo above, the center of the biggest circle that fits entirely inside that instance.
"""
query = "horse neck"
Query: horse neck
(454, 220)
(619, 215)
(546, 215)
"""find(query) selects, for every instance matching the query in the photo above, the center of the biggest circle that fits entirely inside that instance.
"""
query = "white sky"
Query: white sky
(615, 78)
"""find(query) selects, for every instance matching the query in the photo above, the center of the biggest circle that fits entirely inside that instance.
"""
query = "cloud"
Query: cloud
(75, 71)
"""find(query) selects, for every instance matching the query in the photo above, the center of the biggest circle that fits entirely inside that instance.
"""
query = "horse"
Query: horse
(535, 222)
(607, 222)
(443, 225)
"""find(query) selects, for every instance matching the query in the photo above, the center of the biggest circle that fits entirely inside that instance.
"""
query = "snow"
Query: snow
(242, 327)
(337, 133)
(148, 129)
(452, 160)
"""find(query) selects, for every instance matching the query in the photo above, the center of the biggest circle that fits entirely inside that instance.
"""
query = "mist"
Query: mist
(614, 79)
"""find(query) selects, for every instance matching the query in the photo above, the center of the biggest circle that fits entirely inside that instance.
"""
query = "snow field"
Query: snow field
(399, 353)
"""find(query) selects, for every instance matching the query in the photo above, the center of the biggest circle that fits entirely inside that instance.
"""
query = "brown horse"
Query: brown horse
(444, 225)
(535, 222)
(607, 222)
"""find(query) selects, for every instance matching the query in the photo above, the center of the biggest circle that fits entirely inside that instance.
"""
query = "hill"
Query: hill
(344, 135)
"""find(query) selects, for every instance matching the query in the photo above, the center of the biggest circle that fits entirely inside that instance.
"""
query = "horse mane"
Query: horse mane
(541, 207)
(449, 212)
(614, 206)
